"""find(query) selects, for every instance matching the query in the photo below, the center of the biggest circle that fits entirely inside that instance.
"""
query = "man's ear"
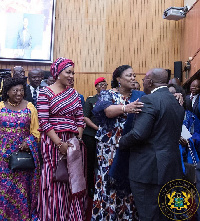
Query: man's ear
(150, 82)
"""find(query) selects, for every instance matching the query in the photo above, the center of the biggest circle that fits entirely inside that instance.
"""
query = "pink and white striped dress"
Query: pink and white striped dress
(63, 113)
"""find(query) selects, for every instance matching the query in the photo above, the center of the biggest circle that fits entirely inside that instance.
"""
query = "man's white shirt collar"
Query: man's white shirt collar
(157, 89)
(32, 90)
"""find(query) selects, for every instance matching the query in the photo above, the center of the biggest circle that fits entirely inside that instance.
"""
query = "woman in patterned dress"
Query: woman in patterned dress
(60, 118)
(111, 201)
(18, 130)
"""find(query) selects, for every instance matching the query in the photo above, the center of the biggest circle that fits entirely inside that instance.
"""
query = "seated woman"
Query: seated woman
(18, 131)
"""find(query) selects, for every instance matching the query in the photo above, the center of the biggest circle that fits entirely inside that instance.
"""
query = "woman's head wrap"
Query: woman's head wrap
(59, 65)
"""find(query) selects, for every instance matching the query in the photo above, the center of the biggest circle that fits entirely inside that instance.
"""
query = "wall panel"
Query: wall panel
(190, 40)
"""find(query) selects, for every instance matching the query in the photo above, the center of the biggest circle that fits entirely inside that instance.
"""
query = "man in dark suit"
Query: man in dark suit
(193, 100)
(32, 90)
(154, 145)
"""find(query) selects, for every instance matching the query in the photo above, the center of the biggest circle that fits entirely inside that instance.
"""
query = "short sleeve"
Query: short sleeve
(34, 126)
(43, 111)
(105, 99)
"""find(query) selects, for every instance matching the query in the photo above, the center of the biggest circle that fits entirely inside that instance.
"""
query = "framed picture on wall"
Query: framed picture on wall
(27, 30)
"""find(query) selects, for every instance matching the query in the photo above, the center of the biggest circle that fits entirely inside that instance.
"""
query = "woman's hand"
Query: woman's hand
(183, 142)
(63, 148)
(24, 146)
(179, 97)
(134, 107)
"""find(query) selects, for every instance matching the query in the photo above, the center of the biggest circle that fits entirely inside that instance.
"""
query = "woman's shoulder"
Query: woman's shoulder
(109, 92)
(30, 105)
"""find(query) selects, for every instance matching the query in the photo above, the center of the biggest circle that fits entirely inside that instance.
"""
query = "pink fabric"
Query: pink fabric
(75, 167)
(59, 65)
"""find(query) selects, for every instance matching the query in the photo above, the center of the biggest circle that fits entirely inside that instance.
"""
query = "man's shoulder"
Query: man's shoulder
(92, 98)
(158, 96)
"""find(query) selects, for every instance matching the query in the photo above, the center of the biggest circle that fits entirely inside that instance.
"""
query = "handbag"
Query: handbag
(61, 172)
(21, 160)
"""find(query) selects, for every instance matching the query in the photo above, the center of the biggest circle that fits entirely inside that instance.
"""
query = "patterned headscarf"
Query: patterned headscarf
(59, 65)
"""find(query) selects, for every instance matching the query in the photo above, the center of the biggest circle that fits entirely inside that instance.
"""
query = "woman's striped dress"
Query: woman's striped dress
(63, 113)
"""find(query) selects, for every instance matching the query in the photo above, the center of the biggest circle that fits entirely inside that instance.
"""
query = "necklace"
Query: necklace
(123, 95)
(13, 105)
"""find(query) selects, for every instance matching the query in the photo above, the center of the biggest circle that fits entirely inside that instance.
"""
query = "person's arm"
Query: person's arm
(62, 146)
(90, 123)
(34, 136)
(116, 110)
(80, 132)
(87, 112)
(34, 126)
(142, 127)
(79, 119)
(179, 97)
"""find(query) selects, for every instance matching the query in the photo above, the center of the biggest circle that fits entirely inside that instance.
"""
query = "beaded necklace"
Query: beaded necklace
(13, 105)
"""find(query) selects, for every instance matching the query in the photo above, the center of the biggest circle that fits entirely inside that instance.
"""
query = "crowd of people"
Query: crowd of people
(130, 143)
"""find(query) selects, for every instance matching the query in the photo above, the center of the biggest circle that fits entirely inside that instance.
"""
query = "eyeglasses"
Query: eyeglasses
(102, 84)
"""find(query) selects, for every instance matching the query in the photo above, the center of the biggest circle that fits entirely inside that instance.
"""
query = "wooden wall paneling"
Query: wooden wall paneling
(147, 39)
(190, 40)
(84, 82)
(84, 35)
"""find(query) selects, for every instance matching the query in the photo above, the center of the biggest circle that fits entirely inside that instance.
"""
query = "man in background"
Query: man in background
(18, 72)
(193, 100)
(32, 90)
(90, 132)
(175, 81)
(154, 145)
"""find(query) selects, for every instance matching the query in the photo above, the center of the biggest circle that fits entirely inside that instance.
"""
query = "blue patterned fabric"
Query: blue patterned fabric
(111, 201)
(120, 167)
(192, 123)
(186, 155)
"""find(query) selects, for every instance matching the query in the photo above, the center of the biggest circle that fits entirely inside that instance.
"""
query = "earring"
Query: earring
(119, 84)
(58, 78)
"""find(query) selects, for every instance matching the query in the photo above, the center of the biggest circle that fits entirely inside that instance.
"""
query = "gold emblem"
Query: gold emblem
(177, 200)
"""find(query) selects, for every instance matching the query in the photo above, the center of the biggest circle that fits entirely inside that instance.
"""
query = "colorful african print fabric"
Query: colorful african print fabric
(111, 202)
(18, 190)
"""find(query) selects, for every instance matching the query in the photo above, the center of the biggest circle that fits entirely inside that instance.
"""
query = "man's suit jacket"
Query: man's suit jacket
(154, 141)
(196, 107)
(29, 96)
